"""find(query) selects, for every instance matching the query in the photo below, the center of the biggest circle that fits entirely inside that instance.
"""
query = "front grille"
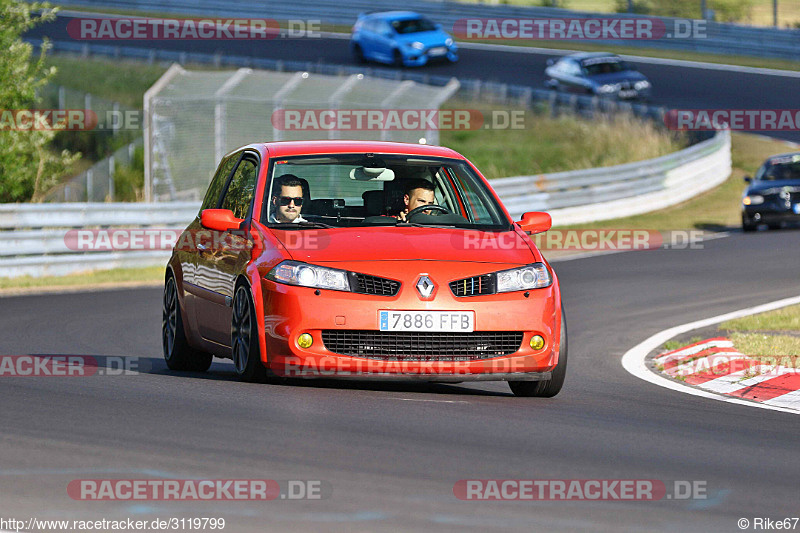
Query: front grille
(473, 286)
(366, 284)
(422, 346)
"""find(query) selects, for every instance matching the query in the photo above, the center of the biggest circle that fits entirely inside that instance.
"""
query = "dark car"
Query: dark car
(400, 38)
(773, 196)
(597, 73)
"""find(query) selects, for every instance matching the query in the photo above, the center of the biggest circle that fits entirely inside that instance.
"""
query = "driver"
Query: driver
(419, 192)
(288, 200)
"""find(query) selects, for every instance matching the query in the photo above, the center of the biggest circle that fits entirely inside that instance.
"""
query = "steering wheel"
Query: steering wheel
(422, 208)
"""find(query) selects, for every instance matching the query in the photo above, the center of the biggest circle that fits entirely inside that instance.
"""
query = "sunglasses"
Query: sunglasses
(286, 200)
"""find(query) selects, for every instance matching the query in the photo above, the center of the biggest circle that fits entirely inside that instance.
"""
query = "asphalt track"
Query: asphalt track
(679, 87)
(392, 453)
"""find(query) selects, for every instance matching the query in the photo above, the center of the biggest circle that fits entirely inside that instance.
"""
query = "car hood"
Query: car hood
(761, 186)
(617, 77)
(428, 38)
(394, 243)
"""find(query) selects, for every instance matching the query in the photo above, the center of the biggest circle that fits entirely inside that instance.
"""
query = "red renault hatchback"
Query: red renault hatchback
(367, 260)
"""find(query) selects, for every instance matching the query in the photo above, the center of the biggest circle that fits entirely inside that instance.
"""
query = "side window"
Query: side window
(242, 188)
(218, 182)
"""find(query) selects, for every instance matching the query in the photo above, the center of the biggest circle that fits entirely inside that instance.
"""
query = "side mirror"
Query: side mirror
(551, 62)
(219, 219)
(438, 26)
(748, 179)
(535, 222)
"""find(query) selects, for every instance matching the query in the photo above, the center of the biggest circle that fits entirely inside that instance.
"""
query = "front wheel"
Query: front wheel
(177, 352)
(550, 387)
(397, 59)
(358, 54)
(244, 338)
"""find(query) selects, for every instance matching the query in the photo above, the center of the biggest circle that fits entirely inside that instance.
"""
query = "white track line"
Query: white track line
(634, 359)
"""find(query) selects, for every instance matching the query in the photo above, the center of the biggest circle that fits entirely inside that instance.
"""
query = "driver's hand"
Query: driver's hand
(402, 216)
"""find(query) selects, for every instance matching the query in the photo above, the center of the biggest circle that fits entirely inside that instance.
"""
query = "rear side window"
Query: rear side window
(242, 189)
(218, 182)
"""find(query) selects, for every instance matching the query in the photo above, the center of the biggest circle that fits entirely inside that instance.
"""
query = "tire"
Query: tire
(397, 58)
(244, 339)
(177, 352)
(550, 387)
(774, 225)
(358, 54)
(748, 227)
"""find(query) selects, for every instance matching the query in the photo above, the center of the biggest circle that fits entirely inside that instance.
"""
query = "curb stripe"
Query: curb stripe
(634, 361)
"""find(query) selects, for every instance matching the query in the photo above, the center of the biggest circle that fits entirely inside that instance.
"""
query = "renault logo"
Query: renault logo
(425, 286)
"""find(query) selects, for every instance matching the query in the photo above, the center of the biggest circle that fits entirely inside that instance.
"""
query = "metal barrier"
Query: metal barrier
(38, 242)
(581, 196)
(719, 38)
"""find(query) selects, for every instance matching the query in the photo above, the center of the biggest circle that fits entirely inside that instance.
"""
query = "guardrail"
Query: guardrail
(719, 38)
(38, 243)
(580, 196)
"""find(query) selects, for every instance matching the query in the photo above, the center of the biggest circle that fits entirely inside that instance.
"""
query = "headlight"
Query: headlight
(639, 85)
(611, 88)
(417, 45)
(535, 276)
(305, 275)
(755, 199)
(448, 42)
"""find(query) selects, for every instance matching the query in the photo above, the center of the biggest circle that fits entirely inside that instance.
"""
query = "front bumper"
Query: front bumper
(414, 58)
(769, 213)
(290, 311)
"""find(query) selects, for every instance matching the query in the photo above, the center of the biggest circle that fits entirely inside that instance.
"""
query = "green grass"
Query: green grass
(764, 335)
(676, 344)
(717, 209)
(758, 344)
(95, 278)
(786, 319)
(567, 142)
(127, 85)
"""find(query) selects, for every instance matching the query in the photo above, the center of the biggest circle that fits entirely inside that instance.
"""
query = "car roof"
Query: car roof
(781, 156)
(290, 148)
(580, 56)
(394, 15)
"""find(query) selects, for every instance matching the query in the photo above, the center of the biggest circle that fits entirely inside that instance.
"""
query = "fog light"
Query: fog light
(537, 342)
(305, 340)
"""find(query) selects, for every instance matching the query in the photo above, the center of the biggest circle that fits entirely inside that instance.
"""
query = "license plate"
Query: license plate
(627, 94)
(796, 208)
(426, 320)
(438, 51)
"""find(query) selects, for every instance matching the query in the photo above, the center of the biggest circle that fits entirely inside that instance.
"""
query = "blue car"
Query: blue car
(597, 73)
(400, 38)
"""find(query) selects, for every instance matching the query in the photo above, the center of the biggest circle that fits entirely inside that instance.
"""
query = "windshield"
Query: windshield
(780, 171)
(346, 190)
(413, 25)
(604, 65)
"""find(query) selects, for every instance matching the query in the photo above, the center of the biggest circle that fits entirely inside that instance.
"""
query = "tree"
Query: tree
(27, 166)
